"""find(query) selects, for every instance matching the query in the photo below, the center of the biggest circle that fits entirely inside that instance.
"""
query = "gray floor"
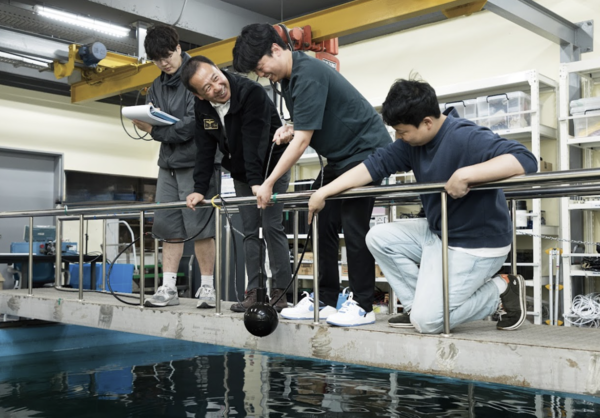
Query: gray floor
(553, 358)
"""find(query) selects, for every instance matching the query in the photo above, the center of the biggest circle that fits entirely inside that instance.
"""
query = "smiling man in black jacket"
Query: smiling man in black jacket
(235, 115)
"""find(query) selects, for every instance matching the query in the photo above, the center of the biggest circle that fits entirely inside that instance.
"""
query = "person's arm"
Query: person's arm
(257, 114)
(493, 158)
(181, 131)
(498, 168)
(358, 176)
(289, 157)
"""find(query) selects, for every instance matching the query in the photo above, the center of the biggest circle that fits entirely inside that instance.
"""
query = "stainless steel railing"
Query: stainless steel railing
(541, 185)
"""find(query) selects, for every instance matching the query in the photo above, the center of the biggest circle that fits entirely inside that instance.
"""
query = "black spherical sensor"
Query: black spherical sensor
(261, 319)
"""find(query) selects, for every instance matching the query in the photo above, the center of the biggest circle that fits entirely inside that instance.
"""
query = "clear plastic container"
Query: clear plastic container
(504, 111)
(466, 109)
(589, 123)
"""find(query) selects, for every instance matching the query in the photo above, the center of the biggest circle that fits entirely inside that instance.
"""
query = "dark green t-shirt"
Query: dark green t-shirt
(346, 127)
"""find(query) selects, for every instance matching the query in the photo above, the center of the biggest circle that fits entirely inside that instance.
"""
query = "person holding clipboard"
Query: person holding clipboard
(176, 162)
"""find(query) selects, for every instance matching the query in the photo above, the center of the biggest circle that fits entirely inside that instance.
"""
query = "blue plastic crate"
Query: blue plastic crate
(121, 276)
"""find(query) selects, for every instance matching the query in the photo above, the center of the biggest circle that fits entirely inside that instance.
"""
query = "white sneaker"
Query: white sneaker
(164, 296)
(206, 297)
(305, 309)
(351, 315)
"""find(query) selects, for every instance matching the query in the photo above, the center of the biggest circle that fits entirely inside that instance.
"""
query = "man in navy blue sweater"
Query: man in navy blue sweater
(443, 148)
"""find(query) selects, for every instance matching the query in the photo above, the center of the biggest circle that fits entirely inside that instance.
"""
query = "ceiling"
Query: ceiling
(25, 34)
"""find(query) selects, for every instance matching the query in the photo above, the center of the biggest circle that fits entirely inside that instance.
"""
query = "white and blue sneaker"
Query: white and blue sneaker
(305, 309)
(351, 315)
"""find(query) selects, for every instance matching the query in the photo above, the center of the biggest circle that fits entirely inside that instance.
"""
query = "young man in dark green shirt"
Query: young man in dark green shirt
(331, 116)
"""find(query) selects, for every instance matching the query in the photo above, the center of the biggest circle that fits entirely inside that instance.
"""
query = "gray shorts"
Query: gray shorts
(175, 186)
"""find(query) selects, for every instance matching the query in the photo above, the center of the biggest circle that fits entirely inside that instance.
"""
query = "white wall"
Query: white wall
(89, 135)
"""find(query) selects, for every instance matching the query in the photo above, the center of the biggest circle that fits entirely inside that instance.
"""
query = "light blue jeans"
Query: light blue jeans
(410, 257)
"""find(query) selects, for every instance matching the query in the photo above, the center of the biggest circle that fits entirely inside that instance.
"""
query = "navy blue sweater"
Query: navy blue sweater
(481, 218)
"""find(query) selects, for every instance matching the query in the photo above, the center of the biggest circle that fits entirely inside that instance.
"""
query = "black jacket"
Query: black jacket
(245, 143)
(177, 148)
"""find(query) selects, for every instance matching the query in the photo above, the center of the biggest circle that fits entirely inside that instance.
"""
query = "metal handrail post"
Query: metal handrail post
(227, 257)
(513, 211)
(445, 277)
(296, 230)
(142, 259)
(104, 271)
(156, 265)
(217, 261)
(30, 264)
(80, 246)
(58, 262)
(315, 245)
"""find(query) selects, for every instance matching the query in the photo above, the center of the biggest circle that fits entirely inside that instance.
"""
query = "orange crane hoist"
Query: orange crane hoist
(301, 40)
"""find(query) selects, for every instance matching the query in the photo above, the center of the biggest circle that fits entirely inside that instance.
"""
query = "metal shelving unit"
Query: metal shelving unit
(589, 74)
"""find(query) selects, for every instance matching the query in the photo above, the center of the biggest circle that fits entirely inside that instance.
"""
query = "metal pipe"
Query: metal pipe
(513, 211)
(142, 260)
(445, 278)
(315, 247)
(30, 264)
(218, 261)
(58, 263)
(156, 274)
(80, 248)
(104, 271)
(227, 228)
(557, 286)
(296, 230)
(402, 190)
(550, 286)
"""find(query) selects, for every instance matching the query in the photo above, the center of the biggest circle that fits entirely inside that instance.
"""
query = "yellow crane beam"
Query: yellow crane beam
(352, 17)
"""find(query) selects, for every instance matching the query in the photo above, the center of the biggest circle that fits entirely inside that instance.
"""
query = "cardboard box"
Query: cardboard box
(545, 166)
(305, 269)
(344, 269)
(378, 272)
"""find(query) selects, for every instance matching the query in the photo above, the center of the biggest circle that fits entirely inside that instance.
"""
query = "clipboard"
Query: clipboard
(149, 114)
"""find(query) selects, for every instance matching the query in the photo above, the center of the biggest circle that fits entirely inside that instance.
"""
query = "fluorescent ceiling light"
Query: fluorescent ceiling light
(20, 60)
(84, 22)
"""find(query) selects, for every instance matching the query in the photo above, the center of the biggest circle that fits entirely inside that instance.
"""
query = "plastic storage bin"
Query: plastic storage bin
(589, 123)
(121, 276)
(467, 109)
(504, 111)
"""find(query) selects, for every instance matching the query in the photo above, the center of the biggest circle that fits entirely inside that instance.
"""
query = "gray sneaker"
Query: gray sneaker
(164, 296)
(206, 297)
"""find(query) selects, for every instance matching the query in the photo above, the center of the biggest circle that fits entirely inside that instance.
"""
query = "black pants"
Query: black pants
(352, 216)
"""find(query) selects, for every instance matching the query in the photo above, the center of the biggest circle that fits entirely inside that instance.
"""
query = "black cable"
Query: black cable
(134, 127)
(141, 272)
(169, 241)
(229, 221)
(308, 236)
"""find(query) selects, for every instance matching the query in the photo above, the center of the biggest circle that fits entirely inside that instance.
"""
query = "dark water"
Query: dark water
(167, 378)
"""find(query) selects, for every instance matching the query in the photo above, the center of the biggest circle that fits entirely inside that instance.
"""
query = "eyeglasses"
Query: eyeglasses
(163, 60)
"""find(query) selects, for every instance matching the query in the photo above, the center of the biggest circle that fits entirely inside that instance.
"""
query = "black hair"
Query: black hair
(190, 68)
(254, 42)
(409, 102)
(160, 41)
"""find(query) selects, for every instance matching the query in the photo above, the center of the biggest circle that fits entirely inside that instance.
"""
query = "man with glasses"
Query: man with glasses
(176, 163)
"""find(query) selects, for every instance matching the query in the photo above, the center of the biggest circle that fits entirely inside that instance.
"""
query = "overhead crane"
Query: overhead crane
(120, 74)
